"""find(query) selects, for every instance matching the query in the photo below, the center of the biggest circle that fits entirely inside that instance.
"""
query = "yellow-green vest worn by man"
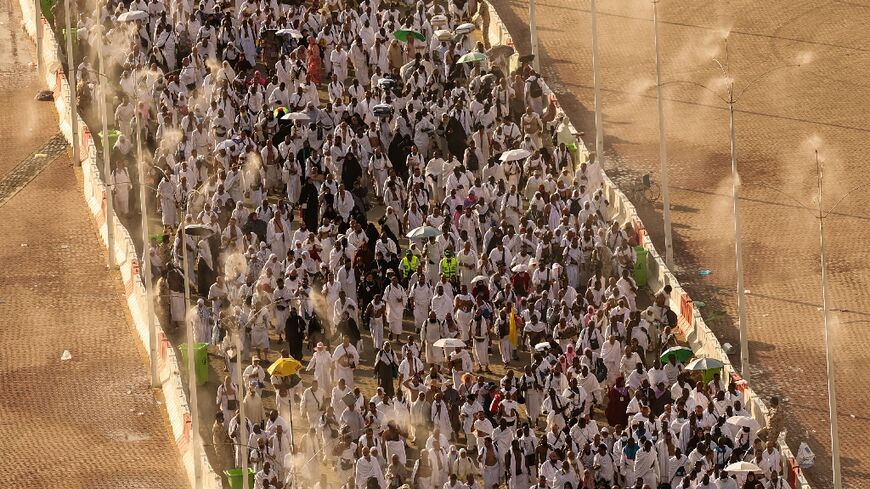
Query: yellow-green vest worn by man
(409, 264)
(449, 265)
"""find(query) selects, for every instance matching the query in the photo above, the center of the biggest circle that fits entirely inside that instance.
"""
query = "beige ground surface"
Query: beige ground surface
(91, 422)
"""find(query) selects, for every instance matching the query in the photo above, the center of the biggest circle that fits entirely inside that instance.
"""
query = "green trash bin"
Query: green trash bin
(113, 137)
(200, 360)
(75, 41)
(47, 7)
(234, 477)
(640, 273)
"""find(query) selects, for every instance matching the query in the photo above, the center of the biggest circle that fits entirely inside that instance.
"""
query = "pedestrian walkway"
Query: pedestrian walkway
(91, 421)
(779, 121)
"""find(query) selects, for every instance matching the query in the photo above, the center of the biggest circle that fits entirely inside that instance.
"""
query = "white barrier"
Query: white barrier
(125, 256)
(699, 336)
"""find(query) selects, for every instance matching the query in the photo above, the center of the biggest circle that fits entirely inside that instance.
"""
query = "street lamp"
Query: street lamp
(596, 82)
(240, 393)
(204, 231)
(533, 35)
(731, 100)
(71, 81)
(132, 16)
(107, 152)
(821, 214)
(663, 152)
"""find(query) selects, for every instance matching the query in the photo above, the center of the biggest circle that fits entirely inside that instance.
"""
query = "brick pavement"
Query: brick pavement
(22, 117)
(92, 422)
(778, 124)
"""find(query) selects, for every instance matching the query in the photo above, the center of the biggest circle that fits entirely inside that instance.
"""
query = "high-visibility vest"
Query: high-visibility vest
(409, 266)
(448, 266)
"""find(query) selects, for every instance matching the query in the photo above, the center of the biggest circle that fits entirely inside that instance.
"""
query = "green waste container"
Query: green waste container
(200, 361)
(75, 41)
(113, 137)
(47, 7)
(640, 273)
(234, 477)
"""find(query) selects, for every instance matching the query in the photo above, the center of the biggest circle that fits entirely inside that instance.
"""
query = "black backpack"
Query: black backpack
(671, 318)
(535, 88)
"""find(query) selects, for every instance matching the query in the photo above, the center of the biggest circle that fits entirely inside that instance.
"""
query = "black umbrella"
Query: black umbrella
(198, 230)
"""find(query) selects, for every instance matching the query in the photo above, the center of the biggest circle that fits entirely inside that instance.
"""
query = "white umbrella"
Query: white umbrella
(449, 343)
(480, 278)
(742, 467)
(444, 35)
(133, 16)
(472, 57)
(515, 155)
(227, 144)
(296, 116)
(743, 422)
(289, 32)
(423, 232)
(465, 28)
(704, 364)
(438, 20)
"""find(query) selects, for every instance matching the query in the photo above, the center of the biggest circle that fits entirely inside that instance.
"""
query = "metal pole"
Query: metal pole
(829, 354)
(243, 425)
(596, 81)
(533, 28)
(663, 152)
(37, 14)
(292, 437)
(71, 81)
(738, 244)
(191, 369)
(107, 155)
(146, 251)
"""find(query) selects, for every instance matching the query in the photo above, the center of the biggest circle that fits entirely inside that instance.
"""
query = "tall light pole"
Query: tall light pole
(37, 14)
(596, 82)
(243, 425)
(731, 100)
(533, 35)
(71, 81)
(146, 242)
(146, 250)
(821, 214)
(193, 230)
(829, 354)
(663, 152)
(107, 153)
(738, 242)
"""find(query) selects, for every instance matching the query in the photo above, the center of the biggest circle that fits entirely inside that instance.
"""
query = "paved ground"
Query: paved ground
(779, 122)
(91, 422)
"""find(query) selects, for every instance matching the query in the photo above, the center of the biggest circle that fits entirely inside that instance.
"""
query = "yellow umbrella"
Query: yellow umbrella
(284, 367)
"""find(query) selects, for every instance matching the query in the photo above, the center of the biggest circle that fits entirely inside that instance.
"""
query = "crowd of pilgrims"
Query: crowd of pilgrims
(307, 256)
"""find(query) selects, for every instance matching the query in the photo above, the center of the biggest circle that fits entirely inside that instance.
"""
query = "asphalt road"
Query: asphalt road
(780, 120)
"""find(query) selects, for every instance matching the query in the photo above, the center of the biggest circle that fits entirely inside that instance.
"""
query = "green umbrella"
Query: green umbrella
(404, 34)
(682, 353)
(473, 57)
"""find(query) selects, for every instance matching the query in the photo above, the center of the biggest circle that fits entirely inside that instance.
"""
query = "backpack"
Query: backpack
(671, 318)
(535, 88)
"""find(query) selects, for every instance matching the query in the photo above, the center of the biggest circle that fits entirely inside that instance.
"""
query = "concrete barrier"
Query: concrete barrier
(698, 335)
(124, 252)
